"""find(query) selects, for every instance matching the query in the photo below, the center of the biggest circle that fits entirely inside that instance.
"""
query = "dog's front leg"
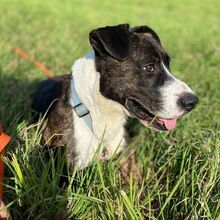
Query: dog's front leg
(128, 167)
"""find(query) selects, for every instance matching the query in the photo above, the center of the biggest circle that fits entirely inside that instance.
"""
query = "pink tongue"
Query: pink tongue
(168, 123)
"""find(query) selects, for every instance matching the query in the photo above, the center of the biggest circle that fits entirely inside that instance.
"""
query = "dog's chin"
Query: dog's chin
(138, 110)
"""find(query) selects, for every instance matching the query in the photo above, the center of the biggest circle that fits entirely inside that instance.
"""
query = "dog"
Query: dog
(127, 74)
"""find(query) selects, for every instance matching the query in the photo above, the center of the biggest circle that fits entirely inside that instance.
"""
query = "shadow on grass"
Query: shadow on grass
(15, 98)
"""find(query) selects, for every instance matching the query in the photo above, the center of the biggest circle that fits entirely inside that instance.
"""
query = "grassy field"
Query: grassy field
(181, 177)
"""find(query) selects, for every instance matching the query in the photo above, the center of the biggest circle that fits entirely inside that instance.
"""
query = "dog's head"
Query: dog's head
(134, 71)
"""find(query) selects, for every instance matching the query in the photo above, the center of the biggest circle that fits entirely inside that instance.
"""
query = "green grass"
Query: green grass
(181, 178)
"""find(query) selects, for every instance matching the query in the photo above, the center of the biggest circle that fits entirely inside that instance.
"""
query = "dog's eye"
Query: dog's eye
(149, 68)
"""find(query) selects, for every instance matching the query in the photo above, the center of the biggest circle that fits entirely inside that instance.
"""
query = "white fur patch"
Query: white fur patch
(108, 117)
(170, 93)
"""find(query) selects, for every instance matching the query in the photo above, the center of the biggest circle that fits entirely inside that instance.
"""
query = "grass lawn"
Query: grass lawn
(181, 177)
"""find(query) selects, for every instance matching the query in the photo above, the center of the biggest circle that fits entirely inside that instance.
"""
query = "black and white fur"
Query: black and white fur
(126, 75)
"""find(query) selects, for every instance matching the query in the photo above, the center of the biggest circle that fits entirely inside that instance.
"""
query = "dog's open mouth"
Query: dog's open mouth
(147, 118)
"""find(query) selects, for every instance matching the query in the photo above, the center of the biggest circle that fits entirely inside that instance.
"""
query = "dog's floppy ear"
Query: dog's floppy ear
(148, 31)
(111, 40)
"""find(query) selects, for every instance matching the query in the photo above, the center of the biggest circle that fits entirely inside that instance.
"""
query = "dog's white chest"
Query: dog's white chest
(89, 144)
(108, 117)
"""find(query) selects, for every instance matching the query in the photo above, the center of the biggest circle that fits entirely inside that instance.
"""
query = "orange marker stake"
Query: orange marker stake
(4, 139)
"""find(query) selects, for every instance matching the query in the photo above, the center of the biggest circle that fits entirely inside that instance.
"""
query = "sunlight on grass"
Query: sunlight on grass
(179, 170)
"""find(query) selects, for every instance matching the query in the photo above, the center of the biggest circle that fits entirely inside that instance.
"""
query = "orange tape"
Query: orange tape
(37, 63)
(21, 53)
(43, 68)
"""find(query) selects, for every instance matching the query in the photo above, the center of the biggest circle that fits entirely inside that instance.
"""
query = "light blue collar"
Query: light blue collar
(80, 108)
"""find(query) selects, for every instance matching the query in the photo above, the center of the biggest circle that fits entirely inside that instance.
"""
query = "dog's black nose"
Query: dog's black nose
(188, 101)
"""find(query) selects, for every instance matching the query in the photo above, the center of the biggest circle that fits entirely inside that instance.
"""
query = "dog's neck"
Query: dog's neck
(106, 114)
